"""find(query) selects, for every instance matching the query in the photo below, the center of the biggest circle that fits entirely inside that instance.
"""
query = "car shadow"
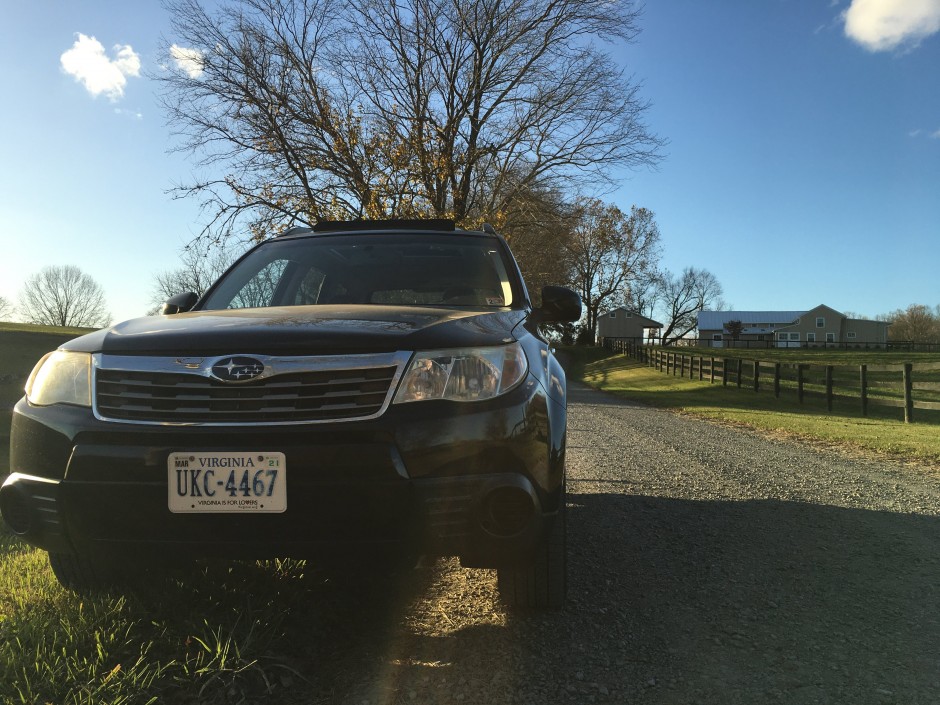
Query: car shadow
(675, 601)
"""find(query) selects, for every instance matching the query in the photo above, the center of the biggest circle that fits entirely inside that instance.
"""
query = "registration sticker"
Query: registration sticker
(228, 482)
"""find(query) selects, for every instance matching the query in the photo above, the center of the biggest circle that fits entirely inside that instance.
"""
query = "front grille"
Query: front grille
(312, 395)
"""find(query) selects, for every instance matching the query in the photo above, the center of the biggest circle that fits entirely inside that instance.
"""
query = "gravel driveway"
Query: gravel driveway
(707, 565)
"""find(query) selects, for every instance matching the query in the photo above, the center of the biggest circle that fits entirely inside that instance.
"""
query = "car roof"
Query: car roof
(349, 227)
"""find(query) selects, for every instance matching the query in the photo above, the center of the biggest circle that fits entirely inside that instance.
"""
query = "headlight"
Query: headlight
(470, 374)
(61, 378)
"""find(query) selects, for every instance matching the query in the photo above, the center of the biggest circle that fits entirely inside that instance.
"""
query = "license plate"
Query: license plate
(230, 482)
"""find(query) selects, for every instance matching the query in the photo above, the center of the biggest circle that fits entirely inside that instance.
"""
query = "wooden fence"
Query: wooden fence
(909, 386)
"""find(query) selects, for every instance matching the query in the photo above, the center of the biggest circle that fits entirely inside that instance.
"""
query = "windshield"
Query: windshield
(382, 269)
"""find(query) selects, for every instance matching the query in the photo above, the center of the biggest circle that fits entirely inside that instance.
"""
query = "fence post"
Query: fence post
(829, 387)
(908, 393)
(740, 371)
(724, 372)
(799, 382)
(712, 372)
(777, 380)
(756, 375)
(701, 367)
(863, 385)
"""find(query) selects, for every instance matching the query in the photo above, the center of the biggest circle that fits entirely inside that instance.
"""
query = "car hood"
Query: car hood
(303, 330)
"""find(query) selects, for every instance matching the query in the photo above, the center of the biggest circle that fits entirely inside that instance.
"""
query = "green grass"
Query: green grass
(881, 432)
(214, 633)
(200, 637)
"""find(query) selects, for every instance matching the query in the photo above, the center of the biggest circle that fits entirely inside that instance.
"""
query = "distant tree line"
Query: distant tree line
(917, 323)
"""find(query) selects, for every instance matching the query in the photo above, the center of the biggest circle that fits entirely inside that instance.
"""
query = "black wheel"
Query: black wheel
(84, 573)
(543, 583)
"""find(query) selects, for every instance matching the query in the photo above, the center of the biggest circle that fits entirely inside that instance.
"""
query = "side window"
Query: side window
(259, 291)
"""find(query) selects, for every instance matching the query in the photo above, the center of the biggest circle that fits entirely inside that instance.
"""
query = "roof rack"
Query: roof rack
(327, 226)
(295, 230)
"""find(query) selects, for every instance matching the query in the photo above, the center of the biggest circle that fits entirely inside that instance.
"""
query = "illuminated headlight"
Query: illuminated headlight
(61, 378)
(470, 374)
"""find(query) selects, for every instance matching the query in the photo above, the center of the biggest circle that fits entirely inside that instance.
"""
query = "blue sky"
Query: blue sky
(803, 164)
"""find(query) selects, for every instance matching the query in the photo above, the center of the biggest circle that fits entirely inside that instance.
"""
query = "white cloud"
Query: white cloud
(884, 25)
(189, 61)
(918, 133)
(136, 114)
(90, 66)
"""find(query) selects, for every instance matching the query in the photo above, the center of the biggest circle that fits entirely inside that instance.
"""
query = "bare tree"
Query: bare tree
(642, 292)
(6, 308)
(63, 296)
(375, 108)
(682, 297)
(201, 267)
(610, 251)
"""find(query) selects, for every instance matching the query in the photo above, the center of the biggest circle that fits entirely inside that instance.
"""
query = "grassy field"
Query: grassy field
(21, 346)
(815, 356)
(219, 634)
(880, 432)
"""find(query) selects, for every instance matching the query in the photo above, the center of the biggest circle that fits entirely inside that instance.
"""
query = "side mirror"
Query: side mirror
(559, 305)
(181, 303)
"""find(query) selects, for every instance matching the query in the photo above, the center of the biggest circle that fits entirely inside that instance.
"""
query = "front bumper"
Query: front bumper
(480, 481)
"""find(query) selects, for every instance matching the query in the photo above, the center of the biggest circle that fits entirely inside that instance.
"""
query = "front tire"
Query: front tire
(542, 584)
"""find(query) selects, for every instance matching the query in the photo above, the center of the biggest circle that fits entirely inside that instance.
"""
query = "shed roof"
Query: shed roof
(647, 322)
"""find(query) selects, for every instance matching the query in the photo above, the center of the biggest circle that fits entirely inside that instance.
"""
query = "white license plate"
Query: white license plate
(231, 482)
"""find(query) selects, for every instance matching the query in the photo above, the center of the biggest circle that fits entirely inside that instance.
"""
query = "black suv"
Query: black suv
(358, 391)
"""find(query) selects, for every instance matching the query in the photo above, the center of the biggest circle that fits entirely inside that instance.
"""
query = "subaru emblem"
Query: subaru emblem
(237, 369)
